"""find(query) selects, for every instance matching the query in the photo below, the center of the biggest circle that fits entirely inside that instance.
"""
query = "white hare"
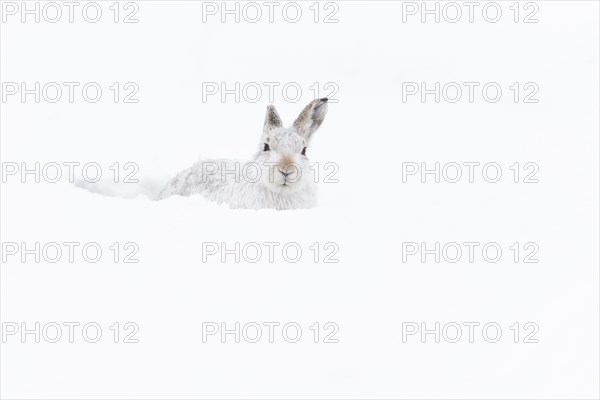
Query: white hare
(278, 176)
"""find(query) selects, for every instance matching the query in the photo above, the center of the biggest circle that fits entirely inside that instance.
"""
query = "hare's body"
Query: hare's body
(214, 180)
(277, 177)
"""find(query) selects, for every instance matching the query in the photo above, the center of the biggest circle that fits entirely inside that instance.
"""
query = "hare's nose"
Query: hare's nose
(285, 174)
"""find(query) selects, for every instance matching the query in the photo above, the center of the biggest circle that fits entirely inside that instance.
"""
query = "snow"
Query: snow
(366, 216)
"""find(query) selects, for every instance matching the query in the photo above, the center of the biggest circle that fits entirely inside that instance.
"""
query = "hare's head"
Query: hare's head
(283, 151)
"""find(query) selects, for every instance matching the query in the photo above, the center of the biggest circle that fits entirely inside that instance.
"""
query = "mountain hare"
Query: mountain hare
(278, 175)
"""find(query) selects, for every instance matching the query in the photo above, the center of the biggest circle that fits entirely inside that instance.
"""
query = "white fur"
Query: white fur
(278, 178)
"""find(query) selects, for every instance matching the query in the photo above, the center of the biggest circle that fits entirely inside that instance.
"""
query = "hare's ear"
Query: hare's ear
(311, 117)
(272, 120)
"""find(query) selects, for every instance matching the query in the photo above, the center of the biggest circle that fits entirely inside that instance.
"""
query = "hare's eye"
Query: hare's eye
(266, 147)
(304, 151)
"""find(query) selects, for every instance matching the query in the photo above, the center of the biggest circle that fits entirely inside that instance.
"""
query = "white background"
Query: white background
(369, 133)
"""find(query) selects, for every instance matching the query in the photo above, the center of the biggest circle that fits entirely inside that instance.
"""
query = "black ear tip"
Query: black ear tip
(324, 99)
